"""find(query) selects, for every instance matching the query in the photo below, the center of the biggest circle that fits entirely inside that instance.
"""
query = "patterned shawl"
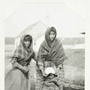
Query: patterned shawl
(22, 53)
(52, 51)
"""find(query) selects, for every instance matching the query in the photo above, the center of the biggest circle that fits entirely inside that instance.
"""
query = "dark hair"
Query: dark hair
(53, 29)
(28, 38)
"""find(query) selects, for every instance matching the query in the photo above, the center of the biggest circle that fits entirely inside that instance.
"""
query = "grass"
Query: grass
(76, 57)
(74, 67)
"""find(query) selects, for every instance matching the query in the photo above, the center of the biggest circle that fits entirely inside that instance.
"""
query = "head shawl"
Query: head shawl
(47, 35)
(21, 51)
(52, 51)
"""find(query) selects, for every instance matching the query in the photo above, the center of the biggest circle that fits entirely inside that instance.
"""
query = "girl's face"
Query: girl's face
(52, 35)
(27, 43)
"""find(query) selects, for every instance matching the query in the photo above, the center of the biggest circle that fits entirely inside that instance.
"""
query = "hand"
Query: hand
(44, 73)
(42, 70)
(25, 69)
(60, 66)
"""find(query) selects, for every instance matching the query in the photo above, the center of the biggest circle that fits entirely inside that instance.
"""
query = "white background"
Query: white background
(7, 7)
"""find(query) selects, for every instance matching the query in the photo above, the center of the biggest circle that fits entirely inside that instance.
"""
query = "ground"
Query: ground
(74, 67)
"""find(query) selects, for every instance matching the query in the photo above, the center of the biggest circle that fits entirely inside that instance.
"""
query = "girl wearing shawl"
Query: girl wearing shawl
(17, 78)
(50, 54)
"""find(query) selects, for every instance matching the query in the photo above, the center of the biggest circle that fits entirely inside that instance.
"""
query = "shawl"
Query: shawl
(22, 53)
(51, 51)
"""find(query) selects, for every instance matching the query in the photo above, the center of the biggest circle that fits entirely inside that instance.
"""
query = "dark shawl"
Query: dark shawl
(52, 51)
(22, 54)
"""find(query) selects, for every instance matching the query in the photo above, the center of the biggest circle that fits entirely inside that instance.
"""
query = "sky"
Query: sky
(7, 7)
(18, 14)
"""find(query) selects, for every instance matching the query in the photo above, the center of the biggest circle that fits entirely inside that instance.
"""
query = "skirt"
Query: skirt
(16, 80)
(40, 83)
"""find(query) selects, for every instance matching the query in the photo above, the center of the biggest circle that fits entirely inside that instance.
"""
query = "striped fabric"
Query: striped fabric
(50, 52)
(22, 53)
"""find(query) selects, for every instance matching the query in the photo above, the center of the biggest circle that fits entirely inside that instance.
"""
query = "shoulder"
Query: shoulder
(57, 40)
(18, 49)
(43, 43)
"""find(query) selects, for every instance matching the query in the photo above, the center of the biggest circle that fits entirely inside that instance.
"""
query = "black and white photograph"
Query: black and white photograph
(44, 45)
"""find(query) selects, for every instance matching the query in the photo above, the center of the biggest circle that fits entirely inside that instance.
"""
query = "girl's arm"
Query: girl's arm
(16, 64)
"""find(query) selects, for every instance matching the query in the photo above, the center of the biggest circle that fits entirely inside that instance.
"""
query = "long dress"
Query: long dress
(50, 54)
(16, 78)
